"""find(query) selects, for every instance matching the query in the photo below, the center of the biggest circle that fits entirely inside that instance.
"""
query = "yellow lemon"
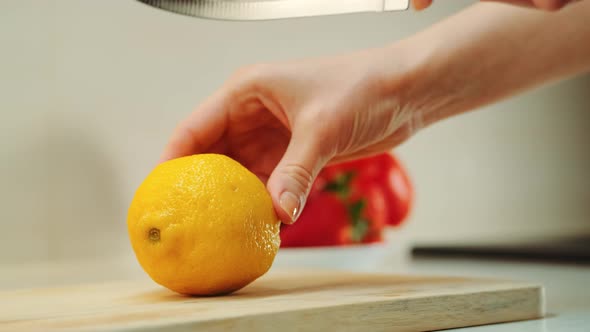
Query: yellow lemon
(203, 225)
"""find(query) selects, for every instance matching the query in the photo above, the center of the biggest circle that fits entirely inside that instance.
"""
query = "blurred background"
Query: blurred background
(90, 91)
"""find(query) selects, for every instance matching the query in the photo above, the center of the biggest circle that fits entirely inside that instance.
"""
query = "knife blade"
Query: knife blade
(249, 10)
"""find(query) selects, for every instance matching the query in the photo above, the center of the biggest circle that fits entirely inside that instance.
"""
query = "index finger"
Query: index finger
(200, 130)
(421, 4)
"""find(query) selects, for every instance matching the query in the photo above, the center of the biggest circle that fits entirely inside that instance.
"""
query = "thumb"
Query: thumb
(291, 180)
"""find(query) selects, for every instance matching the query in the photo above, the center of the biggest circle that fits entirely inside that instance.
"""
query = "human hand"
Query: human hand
(286, 121)
(549, 5)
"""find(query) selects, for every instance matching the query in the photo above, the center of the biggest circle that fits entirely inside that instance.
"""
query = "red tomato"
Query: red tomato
(363, 198)
(398, 190)
(352, 202)
(384, 171)
(373, 210)
(323, 222)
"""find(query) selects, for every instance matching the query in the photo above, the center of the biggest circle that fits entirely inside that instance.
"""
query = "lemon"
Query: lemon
(203, 225)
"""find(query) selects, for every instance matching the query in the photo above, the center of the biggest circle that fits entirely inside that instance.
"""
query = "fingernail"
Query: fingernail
(291, 204)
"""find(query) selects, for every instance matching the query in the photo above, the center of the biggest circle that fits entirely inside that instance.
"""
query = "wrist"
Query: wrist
(426, 80)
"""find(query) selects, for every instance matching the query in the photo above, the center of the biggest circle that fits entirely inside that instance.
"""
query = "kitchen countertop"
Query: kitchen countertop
(567, 289)
(567, 286)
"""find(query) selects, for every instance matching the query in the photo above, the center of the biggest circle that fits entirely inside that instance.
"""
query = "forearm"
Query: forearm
(491, 51)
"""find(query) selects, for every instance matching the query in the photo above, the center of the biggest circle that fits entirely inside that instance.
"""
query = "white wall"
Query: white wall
(90, 90)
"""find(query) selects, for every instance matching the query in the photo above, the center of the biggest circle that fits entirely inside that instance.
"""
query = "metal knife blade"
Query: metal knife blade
(249, 10)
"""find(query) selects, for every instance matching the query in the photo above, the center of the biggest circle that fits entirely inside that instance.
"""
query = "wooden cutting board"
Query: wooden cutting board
(279, 301)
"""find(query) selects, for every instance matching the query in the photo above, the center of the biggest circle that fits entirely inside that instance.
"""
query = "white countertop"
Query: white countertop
(567, 290)
(567, 286)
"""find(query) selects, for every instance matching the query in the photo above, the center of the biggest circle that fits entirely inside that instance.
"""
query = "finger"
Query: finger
(550, 5)
(200, 130)
(291, 180)
(421, 4)
(519, 3)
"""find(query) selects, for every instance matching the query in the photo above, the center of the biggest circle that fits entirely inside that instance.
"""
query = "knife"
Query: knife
(250, 10)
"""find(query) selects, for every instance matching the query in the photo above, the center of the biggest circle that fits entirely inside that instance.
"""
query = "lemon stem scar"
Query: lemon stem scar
(154, 235)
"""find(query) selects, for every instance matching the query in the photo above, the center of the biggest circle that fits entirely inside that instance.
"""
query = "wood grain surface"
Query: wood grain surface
(279, 301)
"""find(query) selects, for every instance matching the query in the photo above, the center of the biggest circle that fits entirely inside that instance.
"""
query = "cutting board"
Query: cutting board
(279, 301)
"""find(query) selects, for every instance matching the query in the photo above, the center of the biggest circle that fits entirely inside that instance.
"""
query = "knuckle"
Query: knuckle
(302, 176)
(251, 79)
